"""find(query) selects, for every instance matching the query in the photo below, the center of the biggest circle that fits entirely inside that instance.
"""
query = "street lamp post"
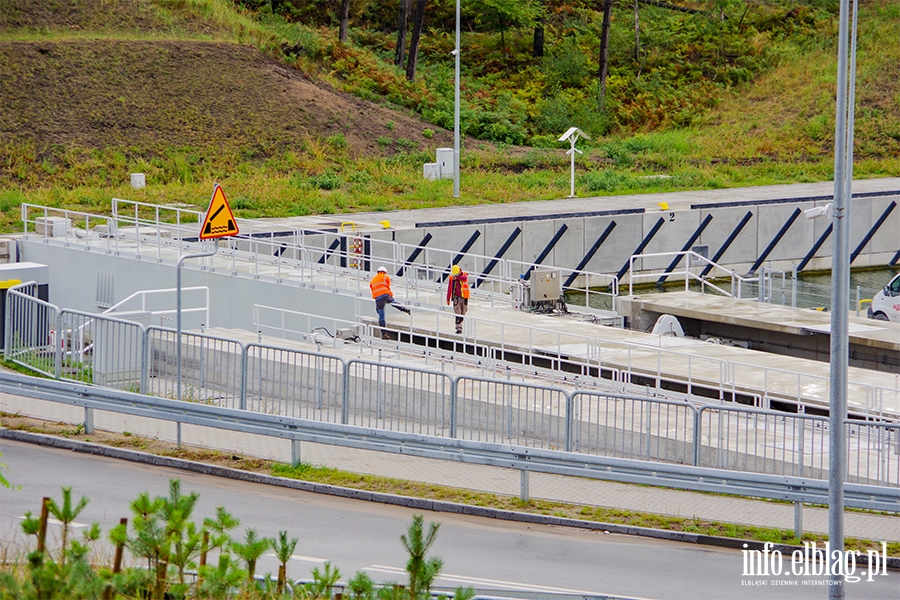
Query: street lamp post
(840, 283)
(456, 111)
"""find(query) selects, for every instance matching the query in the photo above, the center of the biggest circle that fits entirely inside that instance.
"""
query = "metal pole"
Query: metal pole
(524, 488)
(572, 161)
(456, 112)
(840, 282)
(178, 314)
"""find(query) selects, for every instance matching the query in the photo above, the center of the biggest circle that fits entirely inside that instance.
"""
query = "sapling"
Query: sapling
(250, 551)
(283, 551)
(219, 580)
(66, 514)
(361, 587)
(176, 511)
(422, 571)
(324, 581)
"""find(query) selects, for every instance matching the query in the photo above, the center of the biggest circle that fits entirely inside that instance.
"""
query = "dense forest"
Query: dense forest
(533, 67)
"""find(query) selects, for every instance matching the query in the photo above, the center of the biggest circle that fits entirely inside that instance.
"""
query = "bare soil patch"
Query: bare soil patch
(145, 97)
(120, 16)
(135, 442)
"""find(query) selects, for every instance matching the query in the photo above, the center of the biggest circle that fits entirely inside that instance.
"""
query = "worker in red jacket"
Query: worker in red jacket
(381, 292)
(458, 294)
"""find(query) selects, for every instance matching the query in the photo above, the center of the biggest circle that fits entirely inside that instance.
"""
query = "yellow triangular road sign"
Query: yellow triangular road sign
(220, 221)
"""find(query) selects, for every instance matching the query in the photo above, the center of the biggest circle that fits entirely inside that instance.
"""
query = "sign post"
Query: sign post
(571, 136)
(219, 223)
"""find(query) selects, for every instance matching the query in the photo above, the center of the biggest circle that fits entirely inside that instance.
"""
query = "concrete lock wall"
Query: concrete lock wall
(676, 229)
(884, 244)
(74, 272)
(723, 224)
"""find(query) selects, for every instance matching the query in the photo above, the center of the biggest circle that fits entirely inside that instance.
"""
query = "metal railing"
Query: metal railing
(625, 365)
(686, 261)
(293, 383)
(261, 378)
(629, 427)
(305, 255)
(305, 327)
(31, 330)
(745, 439)
(526, 459)
(144, 304)
(385, 396)
(211, 367)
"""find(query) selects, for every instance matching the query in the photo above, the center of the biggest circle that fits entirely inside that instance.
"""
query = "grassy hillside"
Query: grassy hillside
(291, 122)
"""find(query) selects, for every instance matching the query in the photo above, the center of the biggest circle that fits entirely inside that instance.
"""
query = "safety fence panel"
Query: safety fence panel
(873, 453)
(504, 412)
(629, 427)
(398, 398)
(745, 439)
(211, 367)
(31, 330)
(100, 350)
(293, 383)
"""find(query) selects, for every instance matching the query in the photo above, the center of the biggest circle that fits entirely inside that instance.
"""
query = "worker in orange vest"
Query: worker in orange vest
(381, 292)
(458, 294)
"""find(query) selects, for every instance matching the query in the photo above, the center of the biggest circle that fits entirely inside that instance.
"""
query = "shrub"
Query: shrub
(601, 181)
(328, 180)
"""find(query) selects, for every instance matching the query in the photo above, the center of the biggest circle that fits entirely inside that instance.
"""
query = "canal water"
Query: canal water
(810, 290)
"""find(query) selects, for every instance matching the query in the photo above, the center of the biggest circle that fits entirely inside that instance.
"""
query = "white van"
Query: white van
(886, 303)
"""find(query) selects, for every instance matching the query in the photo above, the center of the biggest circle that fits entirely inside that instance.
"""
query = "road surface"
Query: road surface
(496, 557)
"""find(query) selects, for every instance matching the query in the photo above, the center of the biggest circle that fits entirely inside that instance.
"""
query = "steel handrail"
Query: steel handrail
(794, 489)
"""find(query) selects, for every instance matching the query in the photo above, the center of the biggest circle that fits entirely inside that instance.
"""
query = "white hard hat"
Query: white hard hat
(382, 270)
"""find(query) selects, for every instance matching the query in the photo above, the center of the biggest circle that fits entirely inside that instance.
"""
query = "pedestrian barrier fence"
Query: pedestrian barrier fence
(629, 427)
(292, 383)
(211, 367)
(384, 396)
(526, 459)
(756, 440)
(256, 378)
(496, 411)
(562, 356)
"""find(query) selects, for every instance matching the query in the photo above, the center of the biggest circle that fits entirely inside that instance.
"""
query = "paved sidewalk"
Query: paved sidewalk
(475, 477)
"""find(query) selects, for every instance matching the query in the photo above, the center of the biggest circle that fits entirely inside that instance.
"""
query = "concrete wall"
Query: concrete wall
(74, 273)
(765, 222)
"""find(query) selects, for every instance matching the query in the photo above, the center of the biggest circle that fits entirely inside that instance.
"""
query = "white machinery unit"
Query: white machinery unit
(546, 286)
(52, 226)
(541, 293)
(667, 325)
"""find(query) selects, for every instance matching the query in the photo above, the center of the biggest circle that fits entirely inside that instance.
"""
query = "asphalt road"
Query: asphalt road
(494, 556)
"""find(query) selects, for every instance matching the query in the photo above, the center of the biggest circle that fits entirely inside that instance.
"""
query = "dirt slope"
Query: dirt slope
(153, 94)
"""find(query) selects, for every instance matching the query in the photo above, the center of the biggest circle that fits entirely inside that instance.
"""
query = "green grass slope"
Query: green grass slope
(292, 122)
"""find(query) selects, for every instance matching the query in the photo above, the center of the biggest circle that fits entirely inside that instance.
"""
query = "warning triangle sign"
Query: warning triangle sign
(219, 220)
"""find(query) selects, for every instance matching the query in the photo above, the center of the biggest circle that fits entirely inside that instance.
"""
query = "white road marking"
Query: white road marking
(52, 521)
(490, 583)
(302, 558)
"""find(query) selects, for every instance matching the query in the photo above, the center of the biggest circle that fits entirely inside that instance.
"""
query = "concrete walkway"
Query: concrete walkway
(487, 479)
(407, 219)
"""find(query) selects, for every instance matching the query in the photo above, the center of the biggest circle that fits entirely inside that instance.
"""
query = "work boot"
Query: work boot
(406, 310)
(459, 331)
(385, 336)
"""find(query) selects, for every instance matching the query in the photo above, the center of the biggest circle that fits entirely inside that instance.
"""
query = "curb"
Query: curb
(893, 563)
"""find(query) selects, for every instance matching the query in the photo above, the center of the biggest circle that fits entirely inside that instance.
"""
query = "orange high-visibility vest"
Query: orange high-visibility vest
(380, 285)
(463, 280)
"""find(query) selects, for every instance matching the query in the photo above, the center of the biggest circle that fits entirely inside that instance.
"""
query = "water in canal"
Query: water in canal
(811, 290)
